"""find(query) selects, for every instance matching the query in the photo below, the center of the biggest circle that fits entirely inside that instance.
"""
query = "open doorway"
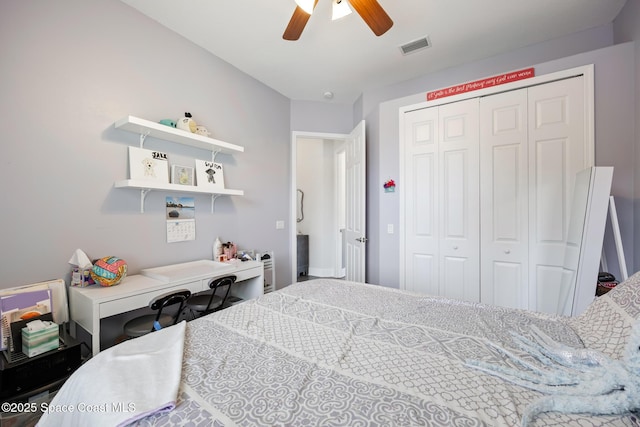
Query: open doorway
(320, 206)
(335, 172)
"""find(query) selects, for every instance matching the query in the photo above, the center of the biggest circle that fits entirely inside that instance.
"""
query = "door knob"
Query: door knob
(507, 251)
(362, 239)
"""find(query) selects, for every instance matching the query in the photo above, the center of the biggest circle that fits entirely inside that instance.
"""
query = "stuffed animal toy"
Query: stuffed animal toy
(201, 130)
(168, 122)
(186, 123)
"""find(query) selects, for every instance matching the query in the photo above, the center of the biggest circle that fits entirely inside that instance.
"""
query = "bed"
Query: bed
(337, 353)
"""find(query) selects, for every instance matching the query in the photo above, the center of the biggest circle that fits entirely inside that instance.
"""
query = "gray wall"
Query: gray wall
(626, 29)
(615, 138)
(321, 117)
(69, 70)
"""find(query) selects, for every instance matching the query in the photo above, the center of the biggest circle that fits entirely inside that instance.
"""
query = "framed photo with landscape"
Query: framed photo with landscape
(148, 165)
(182, 175)
(209, 175)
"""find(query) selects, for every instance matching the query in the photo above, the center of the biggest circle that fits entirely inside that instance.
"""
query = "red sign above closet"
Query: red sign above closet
(481, 84)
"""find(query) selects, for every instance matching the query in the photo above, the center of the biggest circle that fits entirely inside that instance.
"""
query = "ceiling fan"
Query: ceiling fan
(369, 10)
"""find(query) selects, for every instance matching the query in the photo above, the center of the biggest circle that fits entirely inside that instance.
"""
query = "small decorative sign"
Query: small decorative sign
(209, 174)
(482, 84)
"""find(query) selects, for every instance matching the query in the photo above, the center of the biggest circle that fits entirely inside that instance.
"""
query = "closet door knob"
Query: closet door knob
(455, 248)
(507, 251)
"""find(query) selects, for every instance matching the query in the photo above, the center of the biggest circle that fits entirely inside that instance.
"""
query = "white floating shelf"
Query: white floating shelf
(146, 186)
(151, 185)
(148, 128)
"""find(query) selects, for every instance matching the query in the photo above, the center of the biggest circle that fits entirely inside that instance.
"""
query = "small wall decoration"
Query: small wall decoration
(182, 175)
(209, 174)
(181, 219)
(389, 186)
(148, 165)
(501, 79)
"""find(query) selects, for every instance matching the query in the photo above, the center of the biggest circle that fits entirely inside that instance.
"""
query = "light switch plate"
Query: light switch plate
(279, 225)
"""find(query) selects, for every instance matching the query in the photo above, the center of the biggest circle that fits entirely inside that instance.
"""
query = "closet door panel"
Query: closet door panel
(459, 244)
(455, 282)
(421, 215)
(454, 183)
(504, 201)
(508, 287)
(557, 152)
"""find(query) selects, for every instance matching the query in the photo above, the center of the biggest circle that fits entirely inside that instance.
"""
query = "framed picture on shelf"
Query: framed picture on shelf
(209, 175)
(182, 175)
(148, 165)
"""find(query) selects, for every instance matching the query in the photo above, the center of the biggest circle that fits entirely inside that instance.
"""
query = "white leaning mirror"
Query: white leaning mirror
(584, 239)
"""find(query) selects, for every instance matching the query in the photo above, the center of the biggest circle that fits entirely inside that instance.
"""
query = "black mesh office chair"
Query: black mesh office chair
(144, 324)
(207, 302)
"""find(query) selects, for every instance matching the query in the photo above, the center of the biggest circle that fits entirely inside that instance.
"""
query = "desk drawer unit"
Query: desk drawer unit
(133, 302)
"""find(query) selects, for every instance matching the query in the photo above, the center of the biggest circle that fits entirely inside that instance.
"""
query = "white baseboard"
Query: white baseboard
(321, 272)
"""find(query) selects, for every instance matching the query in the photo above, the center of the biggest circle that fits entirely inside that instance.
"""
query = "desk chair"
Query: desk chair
(144, 324)
(210, 301)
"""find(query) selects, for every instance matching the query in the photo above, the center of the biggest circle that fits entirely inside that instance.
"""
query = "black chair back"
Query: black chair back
(160, 302)
(220, 283)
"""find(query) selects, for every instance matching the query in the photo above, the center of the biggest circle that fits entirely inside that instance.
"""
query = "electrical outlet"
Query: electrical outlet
(279, 225)
(389, 228)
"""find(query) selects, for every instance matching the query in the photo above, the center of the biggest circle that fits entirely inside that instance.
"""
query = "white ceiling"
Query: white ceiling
(345, 57)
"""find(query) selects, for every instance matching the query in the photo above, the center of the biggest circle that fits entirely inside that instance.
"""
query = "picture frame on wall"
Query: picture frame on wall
(209, 175)
(182, 175)
(148, 165)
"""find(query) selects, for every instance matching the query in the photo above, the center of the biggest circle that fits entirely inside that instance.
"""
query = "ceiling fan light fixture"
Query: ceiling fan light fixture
(340, 9)
(306, 5)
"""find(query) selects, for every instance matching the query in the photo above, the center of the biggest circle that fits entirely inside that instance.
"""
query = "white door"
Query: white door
(421, 228)
(441, 228)
(355, 206)
(557, 152)
(504, 199)
(458, 203)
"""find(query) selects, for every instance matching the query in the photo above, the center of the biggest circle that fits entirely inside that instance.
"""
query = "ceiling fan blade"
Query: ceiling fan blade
(373, 15)
(297, 23)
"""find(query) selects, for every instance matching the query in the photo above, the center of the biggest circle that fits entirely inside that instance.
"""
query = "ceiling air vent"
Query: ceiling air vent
(415, 45)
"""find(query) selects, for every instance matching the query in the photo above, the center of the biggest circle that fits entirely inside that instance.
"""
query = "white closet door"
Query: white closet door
(533, 142)
(421, 192)
(458, 204)
(504, 201)
(557, 152)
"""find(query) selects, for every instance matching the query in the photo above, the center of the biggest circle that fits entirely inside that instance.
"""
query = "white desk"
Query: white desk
(90, 304)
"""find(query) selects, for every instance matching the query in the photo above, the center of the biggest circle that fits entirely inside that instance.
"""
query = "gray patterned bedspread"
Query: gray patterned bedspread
(336, 353)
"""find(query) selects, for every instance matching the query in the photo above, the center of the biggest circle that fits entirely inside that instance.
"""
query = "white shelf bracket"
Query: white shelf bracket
(143, 136)
(213, 201)
(143, 195)
(213, 155)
